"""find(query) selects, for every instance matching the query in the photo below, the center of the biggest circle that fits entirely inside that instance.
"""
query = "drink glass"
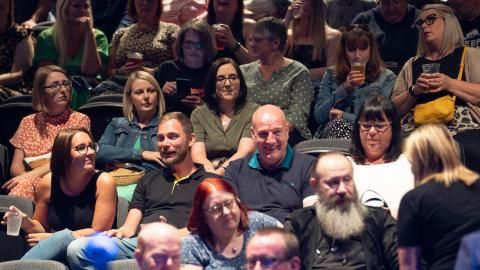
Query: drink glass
(431, 68)
(359, 66)
(14, 221)
(135, 57)
(220, 44)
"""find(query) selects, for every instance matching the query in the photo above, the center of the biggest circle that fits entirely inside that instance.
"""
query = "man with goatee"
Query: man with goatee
(338, 232)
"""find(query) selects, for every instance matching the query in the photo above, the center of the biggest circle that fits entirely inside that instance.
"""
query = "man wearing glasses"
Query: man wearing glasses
(338, 232)
(274, 179)
(273, 249)
(162, 195)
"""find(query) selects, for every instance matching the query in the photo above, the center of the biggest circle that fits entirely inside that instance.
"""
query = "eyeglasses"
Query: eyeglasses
(56, 86)
(193, 45)
(429, 20)
(379, 127)
(82, 149)
(218, 208)
(223, 79)
(265, 262)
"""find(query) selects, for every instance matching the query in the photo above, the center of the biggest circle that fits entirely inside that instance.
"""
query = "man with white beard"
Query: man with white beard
(338, 232)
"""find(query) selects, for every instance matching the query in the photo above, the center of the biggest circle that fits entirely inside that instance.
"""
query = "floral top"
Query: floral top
(8, 43)
(156, 43)
(37, 131)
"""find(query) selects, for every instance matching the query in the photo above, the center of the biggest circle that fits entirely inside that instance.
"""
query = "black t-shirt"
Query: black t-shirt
(435, 218)
(170, 71)
(157, 195)
(449, 65)
(471, 32)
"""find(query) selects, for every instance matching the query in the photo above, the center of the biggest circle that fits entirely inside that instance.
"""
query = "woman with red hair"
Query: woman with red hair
(220, 227)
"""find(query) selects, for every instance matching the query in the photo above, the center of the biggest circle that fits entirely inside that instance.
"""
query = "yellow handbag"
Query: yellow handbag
(440, 110)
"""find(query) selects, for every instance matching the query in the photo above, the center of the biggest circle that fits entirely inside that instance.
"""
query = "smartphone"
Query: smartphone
(183, 87)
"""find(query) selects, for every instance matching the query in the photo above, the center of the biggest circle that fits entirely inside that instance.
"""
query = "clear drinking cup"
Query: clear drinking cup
(13, 224)
(359, 66)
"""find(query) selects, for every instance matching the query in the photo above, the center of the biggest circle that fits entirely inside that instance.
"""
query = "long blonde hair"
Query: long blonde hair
(316, 30)
(435, 156)
(61, 30)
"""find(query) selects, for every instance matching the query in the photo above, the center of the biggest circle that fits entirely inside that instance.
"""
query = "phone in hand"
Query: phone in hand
(183, 87)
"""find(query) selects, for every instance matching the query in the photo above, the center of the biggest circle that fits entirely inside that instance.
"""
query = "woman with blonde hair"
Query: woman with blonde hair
(443, 207)
(130, 142)
(311, 41)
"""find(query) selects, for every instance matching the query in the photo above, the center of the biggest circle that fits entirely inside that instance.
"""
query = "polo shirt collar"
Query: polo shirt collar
(254, 162)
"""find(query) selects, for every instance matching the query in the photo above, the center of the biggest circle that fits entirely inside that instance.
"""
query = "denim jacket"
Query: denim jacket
(332, 95)
(118, 139)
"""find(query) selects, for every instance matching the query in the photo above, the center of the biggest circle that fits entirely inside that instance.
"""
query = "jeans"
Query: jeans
(80, 258)
(52, 248)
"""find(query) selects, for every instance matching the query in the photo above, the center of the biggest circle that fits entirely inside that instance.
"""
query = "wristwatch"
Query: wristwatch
(411, 92)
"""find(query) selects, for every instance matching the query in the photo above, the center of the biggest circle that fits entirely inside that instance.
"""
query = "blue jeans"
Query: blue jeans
(52, 248)
(80, 258)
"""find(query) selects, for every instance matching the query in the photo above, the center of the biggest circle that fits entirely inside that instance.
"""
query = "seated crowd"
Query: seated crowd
(216, 94)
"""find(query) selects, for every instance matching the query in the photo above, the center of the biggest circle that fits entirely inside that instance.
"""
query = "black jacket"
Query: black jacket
(379, 239)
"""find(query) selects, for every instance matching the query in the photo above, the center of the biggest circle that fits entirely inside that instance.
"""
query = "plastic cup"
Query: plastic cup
(13, 224)
(359, 66)
(431, 68)
(220, 44)
(135, 57)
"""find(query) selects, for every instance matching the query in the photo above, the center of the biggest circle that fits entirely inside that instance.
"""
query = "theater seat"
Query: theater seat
(107, 98)
(129, 264)
(4, 165)
(19, 99)
(316, 146)
(11, 115)
(101, 113)
(32, 264)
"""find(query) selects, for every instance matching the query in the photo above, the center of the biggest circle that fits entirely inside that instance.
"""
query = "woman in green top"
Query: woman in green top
(222, 124)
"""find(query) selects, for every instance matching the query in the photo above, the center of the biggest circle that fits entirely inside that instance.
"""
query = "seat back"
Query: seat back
(122, 211)
(101, 113)
(32, 264)
(128, 264)
(19, 99)
(4, 165)
(11, 114)
(117, 98)
(14, 247)
(315, 147)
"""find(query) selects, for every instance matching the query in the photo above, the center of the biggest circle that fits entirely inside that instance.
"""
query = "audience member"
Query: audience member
(195, 51)
(16, 51)
(441, 42)
(36, 132)
(274, 248)
(28, 13)
(257, 9)
(469, 253)
(74, 201)
(158, 247)
(359, 73)
(340, 13)
(274, 179)
(391, 25)
(222, 125)
(165, 194)
(444, 207)
(468, 14)
(107, 15)
(275, 79)
(220, 227)
(231, 29)
(180, 12)
(338, 232)
(381, 172)
(310, 40)
(129, 144)
(150, 37)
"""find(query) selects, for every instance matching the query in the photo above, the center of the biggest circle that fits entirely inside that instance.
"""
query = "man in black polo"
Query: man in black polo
(274, 179)
(165, 194)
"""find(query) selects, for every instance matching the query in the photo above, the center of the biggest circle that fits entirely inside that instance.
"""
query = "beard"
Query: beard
(341, 221)
(179, 157)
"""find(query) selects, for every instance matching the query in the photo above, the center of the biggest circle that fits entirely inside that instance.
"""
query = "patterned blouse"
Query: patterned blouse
(37, 131)
(156, 43)
(8, 43)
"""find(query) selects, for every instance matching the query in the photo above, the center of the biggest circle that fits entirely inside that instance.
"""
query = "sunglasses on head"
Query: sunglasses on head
(429, 20)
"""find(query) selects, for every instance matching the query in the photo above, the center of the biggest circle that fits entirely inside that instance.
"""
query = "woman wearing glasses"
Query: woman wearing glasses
(220, 228)
(73, 201)
(382, 174)
(441, 44)
(128, 145)
(34, 137)
(195, 49)
(443, 207)
(222, 125)
(359, 73)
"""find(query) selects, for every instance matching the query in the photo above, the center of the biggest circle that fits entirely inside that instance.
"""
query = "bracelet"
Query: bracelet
(411, 92)
(236, 46)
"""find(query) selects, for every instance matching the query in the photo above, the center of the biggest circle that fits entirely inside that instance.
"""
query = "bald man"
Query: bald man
(338, 232)
(158, 247)
(274, 179)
